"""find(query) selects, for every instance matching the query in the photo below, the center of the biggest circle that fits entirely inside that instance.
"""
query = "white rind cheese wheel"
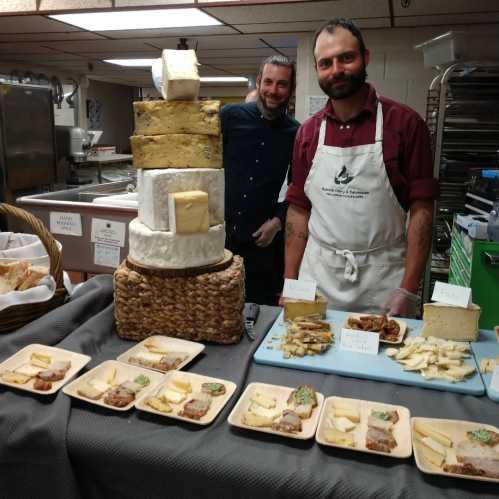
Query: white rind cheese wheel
(155, 185)
(165, 250)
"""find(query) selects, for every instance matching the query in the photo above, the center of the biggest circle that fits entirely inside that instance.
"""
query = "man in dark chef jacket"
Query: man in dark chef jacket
(359, 221)
(257, 147)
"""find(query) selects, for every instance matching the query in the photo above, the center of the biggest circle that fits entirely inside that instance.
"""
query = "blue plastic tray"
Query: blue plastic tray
(377, 367)
(487, 346)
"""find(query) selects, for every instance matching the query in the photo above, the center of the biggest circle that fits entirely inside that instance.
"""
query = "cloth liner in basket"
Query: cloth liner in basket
(203, 307)
(16, 316)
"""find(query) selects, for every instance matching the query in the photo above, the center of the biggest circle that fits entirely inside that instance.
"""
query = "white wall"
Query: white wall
(396, 69)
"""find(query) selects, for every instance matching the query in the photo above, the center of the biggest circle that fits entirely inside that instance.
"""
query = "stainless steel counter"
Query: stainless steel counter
(79, 251)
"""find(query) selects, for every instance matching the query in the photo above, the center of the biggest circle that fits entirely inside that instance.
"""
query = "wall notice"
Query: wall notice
(68, 224)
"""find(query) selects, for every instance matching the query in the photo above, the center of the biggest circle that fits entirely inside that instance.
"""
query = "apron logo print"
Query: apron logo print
(343, 177)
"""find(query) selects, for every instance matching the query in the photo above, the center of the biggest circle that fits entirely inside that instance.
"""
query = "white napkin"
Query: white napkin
(40, 293)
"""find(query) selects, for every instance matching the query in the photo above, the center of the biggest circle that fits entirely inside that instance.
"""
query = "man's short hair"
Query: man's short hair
(340, 22)
(280, 60)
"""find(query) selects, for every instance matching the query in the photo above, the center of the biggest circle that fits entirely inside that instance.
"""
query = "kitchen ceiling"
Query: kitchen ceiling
(249, 32)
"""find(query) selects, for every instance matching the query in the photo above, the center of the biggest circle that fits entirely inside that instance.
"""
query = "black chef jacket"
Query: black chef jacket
(257, 153)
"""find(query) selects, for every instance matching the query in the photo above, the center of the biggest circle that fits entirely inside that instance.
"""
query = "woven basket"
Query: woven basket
(17, 316)
(204, 307)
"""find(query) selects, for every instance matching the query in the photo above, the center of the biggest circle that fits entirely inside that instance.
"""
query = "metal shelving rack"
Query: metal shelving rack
(462, 114)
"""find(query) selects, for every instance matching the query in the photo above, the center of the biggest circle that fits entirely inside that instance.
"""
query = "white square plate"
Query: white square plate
(401, 429)
(124, 372)
(191, 348)
(281, 394)
(21, 357)
(196, 380)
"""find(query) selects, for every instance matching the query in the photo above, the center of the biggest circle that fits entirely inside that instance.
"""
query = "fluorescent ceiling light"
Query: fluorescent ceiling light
(138, 19)
(222, 79)
(144, 63)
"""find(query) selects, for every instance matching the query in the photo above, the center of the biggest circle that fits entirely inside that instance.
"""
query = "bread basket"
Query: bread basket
(17, 316)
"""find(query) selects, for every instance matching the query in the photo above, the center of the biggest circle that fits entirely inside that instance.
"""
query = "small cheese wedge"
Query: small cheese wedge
(335, 436)
(428, 431)
(343, 424)
(99, 384)
(180, 75)
(181, 385)
(28, 370)
(380, 424)
(40, 359)
(296, 308)
(17, 378)
(263, 400)
(88, 391)
(264, 412)
(169, 395)
(434, 445)
(153, 347)
(146, 358)
(251, 419)
(159, 404)
(347, 411)
(188, 212)
(429, 454)
(108, 374)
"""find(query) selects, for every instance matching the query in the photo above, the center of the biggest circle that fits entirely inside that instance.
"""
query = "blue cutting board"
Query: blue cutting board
(487, 346)
(357, 365)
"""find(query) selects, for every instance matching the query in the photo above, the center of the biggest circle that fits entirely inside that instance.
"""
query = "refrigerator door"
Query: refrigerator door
(27, 136)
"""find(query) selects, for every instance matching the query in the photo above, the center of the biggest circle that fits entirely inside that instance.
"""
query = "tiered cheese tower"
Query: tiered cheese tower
(178, 280)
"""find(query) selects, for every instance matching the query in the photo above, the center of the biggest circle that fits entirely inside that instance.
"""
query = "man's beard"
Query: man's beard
(353, 83)
(271, 113)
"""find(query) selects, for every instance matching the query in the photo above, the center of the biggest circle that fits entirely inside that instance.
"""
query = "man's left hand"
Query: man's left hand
(403, 303)
(266, 233)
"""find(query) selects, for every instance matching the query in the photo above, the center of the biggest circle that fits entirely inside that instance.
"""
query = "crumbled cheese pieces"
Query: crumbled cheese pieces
(188, 212)
(434, 358)
(487, 365)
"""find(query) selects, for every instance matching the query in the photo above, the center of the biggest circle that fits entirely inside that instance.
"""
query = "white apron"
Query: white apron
(356, 245)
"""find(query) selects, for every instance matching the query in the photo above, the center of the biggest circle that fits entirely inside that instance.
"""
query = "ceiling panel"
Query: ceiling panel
(131, 54)
(431, 7)
(100, 46)
(242, 53)
(49, 37)
(232, 42)
(227, 61)
(33, 24)
(281, 40)
(452, 19)
(31, 48)
(250, 14)
(186, 31)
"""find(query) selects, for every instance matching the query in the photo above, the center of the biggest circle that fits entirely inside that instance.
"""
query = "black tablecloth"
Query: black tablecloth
(51, 446)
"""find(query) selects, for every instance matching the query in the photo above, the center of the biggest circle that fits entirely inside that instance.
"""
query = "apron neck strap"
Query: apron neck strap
(379, 125)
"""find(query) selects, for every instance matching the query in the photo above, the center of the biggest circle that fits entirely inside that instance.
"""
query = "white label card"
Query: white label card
(108, 232)
(68, 224)
(494, 382)
(451, 294)
(299, 289)
(359, 341)
(106, 255)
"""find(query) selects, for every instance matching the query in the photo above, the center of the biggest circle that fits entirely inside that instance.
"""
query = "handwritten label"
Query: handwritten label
(494, 382)
(68, 224)
(359, 341)
(106, 255)
(451, 294)
(299, 289)
(108, 232)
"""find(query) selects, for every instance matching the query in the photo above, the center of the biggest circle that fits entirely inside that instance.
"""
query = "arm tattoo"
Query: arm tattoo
(291, 233)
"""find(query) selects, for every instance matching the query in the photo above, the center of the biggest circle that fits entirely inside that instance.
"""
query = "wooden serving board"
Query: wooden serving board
(487, 346)
(357, 365)
(189, 272)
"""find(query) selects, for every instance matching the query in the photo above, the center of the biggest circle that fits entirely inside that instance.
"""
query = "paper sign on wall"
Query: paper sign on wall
(359, 341)
(68, 224)
(451, 294)
(299, 289)
(108, 232)
(106, 255)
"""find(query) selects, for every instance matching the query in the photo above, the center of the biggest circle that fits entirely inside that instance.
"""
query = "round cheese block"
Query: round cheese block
(166, 250)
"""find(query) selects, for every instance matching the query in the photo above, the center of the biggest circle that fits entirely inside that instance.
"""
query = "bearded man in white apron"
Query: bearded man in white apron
(359, 165)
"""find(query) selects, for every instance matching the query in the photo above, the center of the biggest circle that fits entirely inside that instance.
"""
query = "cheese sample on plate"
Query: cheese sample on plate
(188, 212)
(176, 150)
(297, 308)
(180, 75)
(166, 250)
(155, 186)
(159, 117)
(450, 322)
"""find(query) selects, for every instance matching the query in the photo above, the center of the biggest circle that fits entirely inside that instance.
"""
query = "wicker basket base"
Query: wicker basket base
(205, 307)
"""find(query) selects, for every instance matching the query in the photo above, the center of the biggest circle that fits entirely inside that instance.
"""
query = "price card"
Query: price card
(451, 294)
(299, 289)
(106, 255)
(68, 224)
(359, 341)
(494, 382)
(108, 232)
